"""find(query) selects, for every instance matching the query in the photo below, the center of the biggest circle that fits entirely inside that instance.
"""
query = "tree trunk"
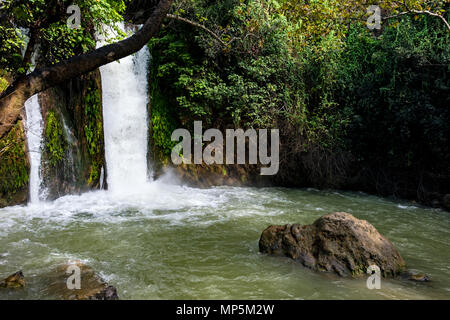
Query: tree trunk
(13, 99)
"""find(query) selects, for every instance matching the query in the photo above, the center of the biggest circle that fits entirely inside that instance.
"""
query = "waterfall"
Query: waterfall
(34, 139)
(125, 99)
(34, 132)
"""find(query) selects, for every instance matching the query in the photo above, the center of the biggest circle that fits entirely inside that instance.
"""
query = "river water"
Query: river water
(175, 242)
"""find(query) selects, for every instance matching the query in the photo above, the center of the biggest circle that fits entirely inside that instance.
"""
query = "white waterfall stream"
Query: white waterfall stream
(34, 132)
(125, 99)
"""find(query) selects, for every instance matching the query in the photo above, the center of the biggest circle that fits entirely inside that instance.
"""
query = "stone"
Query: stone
(109, 293)
(337, 242)
(14, 281)
(435, 203)
(92, 286)
(413, 275)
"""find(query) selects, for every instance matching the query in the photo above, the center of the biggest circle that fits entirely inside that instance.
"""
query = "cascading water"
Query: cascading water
(125, 100)
(34, 140)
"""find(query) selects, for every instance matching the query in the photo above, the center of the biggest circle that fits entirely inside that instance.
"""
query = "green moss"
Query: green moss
(93, 131)
(56, 143)
(359, 270)
(163, 124)
(13, 164)
(3, 84)
(94, 173)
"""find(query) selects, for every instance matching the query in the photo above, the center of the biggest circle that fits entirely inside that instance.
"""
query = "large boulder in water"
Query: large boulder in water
(337, 242)
(73, 139)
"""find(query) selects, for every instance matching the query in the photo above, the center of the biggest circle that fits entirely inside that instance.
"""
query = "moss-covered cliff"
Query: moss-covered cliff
(73, 147)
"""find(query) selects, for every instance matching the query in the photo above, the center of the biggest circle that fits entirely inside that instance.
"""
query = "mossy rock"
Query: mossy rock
(92, 286)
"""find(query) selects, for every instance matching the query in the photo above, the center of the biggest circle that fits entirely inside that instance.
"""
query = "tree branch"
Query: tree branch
(426, 12)
(32, 42)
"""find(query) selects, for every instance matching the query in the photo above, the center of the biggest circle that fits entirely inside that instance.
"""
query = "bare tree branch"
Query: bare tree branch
(425, 12)
(198, 25)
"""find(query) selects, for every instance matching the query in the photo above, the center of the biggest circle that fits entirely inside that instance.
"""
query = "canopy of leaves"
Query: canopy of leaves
(46, 22)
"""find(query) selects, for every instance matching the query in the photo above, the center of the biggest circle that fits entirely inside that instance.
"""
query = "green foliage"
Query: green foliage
(204, 87)
(3, 83)
(398, 88)
(47, 22)
(11, 42)
(56, 142)
(163, 125)
(257, 81)
(93, 130)
(315, 19)
(13, 163)
(317, 73)
(162, 121)
(61, 42)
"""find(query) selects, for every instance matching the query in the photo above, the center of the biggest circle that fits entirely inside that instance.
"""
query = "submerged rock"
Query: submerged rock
(413, 275)
(337, 242)
(109, 293)
(91, 286)
(16, 280)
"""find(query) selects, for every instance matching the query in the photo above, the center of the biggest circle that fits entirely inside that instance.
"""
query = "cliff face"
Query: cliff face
(73, 142)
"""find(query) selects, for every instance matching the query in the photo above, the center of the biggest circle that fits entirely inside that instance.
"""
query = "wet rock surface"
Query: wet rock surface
(413, 275)
(337, 242)
(91, 285)
(14, 281)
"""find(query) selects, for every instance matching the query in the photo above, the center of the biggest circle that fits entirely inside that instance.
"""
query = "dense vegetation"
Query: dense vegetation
(350, 102)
